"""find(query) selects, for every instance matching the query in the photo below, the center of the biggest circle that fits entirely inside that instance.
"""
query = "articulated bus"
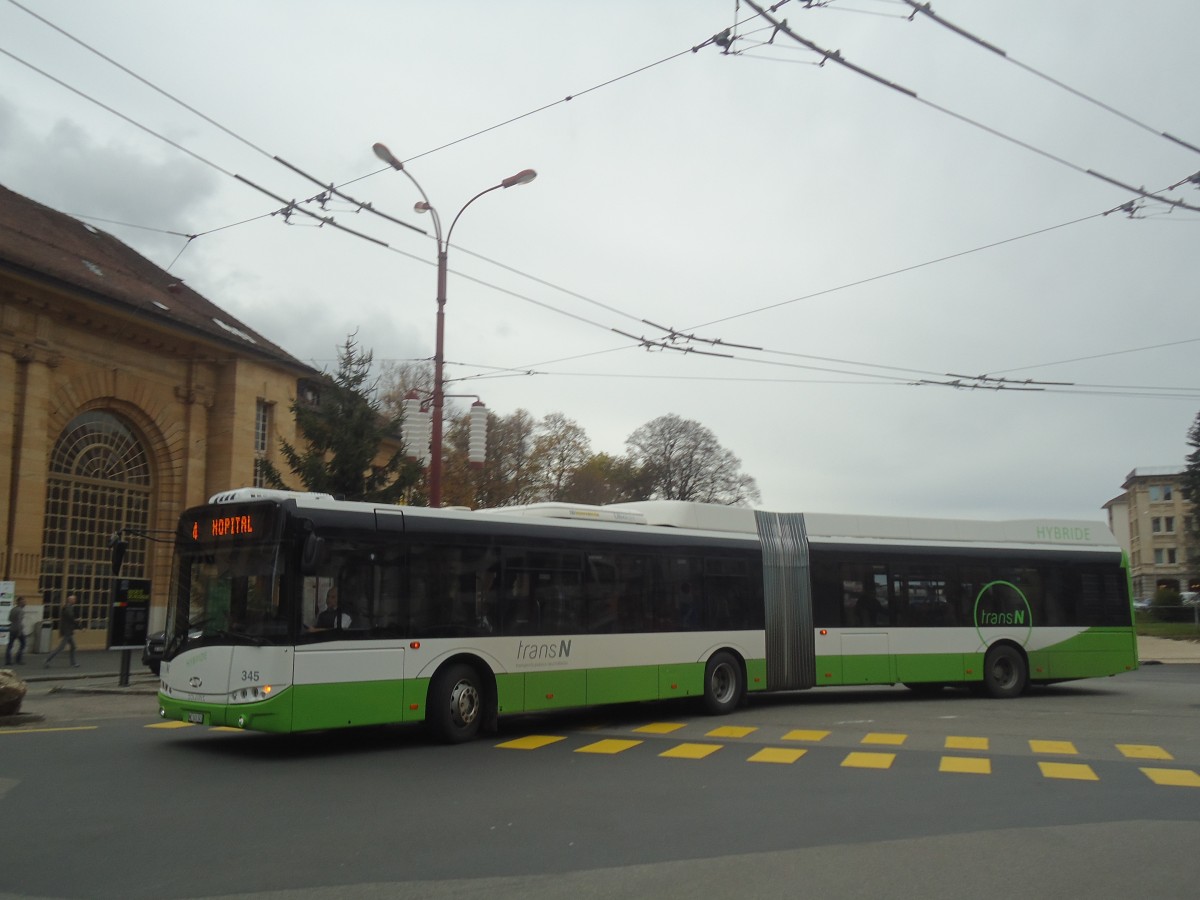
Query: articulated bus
(455, 617)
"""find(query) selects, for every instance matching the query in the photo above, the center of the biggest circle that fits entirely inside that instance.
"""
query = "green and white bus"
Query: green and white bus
(455, 617)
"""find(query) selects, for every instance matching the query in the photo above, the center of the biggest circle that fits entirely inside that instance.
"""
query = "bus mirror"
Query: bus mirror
(119, 545)
(313, 554)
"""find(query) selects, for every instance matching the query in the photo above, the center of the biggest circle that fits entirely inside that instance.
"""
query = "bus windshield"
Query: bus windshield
(227, 595)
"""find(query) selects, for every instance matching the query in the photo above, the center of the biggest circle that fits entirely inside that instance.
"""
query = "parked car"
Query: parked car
(1190, 598)
(1143, 603)
(152, 652)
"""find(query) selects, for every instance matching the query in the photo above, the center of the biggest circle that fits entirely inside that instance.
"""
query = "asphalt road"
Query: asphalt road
(842, 792)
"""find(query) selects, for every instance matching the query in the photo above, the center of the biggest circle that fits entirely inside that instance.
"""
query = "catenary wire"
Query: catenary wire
(926, 10)
(837, 57)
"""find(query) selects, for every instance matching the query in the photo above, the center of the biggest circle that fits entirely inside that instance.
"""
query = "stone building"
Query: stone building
(125, 397)
(1153, 521)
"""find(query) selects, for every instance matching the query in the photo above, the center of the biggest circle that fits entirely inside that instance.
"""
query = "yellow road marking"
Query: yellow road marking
(609, 745)
(1064, 747)
(531, 742)
(47, 730)
(861, 760)
(777, 755)
(1074, 771)
(803, 735)
(971, 765)
(1143, 751)
(892, 740)
(966, 743)
(1173, 777)
(730, 731)
(660, 727)
(691, 751)
(171, 725)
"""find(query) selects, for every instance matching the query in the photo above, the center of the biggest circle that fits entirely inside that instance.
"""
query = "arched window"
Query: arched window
(99, 481)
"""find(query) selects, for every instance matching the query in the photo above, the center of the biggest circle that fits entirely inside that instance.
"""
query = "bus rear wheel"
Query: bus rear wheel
(1005, 673)
(723, 684)
(455, 707)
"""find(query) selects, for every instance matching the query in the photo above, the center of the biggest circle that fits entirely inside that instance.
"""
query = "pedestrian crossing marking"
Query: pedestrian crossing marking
(531, 742)
(805, 735)
(863, 760)
(1073, 771)
(1143, 751)
(967, 743)
(608, 746)
(660, 727)
(691, 751)
(1173, 777)
(730, 731)
(891, 740)
(778, 755)
(1066, 748)
(970, 765)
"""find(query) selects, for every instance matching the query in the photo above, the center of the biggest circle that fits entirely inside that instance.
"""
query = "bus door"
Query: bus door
(866, 655)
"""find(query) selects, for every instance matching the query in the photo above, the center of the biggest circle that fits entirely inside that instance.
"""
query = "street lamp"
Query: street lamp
(443, 242)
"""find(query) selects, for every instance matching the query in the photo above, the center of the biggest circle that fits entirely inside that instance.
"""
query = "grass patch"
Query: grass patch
(1146, 623)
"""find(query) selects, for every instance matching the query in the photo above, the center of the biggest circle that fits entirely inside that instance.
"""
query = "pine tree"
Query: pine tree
(1191, 492)
(342, 438)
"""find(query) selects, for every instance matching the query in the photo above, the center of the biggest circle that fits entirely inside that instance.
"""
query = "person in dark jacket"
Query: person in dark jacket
(66, 628)
(16, 631)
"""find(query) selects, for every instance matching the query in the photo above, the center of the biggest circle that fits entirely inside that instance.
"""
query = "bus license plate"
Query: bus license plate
(196, 718)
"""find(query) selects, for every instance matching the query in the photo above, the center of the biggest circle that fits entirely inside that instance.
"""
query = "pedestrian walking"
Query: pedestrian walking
(66, 627)
(16, 632)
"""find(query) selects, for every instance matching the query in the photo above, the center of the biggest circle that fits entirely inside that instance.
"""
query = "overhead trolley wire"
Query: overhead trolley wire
(837, 57)
(926, 9)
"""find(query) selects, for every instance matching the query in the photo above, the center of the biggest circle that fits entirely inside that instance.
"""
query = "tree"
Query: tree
(344, 436)
(398, 378)
(560, 448)
(508, 475)
(1190, 488)
(683, 460)
(605, 479)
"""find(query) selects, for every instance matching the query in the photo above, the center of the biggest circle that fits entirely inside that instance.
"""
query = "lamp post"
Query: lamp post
(443, 243)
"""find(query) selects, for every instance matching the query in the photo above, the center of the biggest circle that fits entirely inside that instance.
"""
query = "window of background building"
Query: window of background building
(262, 436)
(99, 480)
(1160, 493)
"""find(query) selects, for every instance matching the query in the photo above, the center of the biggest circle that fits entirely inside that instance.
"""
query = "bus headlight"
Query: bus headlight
(255, 694)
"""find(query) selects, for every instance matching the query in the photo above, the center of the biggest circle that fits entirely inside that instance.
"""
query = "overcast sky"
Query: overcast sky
(852, 240)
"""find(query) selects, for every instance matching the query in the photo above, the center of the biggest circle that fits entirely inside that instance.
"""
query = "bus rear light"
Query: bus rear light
(414, 645)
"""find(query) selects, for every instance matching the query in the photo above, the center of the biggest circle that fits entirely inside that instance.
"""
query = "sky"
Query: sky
(904, 288)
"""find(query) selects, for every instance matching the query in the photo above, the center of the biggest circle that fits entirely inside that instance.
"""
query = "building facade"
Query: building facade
(125, 397)
(1154, 522)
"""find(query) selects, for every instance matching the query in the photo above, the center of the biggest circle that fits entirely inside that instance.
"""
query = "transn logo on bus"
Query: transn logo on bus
(1015, 617)
(544, 650)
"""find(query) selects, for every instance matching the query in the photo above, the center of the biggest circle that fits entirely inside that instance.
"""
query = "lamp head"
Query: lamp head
(386, 155)
(523, 177)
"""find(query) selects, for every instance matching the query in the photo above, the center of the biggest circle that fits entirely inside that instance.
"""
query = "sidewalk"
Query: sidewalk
(98, 671)
(1152, 650)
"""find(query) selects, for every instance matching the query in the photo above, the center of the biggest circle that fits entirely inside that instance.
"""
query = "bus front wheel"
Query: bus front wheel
(723, 684)
(456, 704)
(1004, 672)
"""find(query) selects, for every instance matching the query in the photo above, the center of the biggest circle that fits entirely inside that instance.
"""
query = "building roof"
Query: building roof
(1154, 472)
(44, 245)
